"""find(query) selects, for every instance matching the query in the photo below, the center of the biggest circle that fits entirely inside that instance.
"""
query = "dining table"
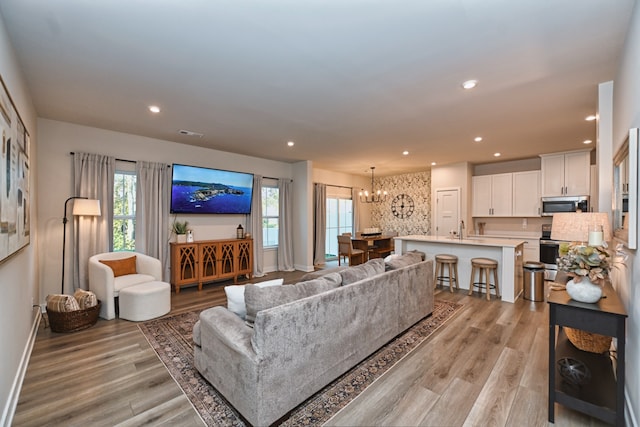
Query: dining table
(377, 245)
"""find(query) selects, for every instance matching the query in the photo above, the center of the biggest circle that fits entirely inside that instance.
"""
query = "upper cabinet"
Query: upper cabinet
(526, 194)
(566, 174)
(492, 195)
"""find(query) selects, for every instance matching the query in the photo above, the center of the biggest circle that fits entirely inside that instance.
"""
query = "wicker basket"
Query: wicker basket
(587, 341)
(72, 321)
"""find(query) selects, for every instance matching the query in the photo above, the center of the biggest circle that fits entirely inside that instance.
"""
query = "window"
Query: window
(124, 211)
(339, 220)
(270, 216)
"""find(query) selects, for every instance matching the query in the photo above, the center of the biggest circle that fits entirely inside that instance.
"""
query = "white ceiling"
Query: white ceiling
(352, 82)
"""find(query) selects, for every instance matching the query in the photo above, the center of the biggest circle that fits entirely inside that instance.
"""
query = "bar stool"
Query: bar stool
(484, 266)
(451, 262)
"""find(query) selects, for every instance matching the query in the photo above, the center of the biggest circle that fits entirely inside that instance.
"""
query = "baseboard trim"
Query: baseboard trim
(12, 402)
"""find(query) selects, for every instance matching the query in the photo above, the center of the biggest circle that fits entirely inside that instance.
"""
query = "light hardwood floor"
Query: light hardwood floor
(485, 367)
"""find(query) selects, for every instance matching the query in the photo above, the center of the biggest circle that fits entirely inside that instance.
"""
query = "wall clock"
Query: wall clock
(402, 206)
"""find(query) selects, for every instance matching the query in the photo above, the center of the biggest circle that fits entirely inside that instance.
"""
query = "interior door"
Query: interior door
(447, 211)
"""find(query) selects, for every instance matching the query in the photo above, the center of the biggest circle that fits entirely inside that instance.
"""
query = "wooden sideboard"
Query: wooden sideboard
(210, 260)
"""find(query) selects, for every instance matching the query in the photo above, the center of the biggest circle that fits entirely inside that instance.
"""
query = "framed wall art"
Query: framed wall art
(14, 178)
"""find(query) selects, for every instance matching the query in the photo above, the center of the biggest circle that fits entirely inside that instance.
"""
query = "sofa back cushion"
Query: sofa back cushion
(362, 271)
(394, 262)
(258, 299)
(235, 296)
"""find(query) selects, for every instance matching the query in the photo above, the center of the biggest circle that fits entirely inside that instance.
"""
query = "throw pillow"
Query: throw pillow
(408, 258)
(258, 299)
(235, 296)
(122, 266)
(86, 299)
(362, 271)
(62, 303)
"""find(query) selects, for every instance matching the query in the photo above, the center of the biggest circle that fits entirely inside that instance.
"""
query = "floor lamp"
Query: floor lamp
(83, 206)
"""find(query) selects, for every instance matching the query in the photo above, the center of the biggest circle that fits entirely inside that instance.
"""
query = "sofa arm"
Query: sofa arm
(101, 283)
(149, 265)
(219, 326)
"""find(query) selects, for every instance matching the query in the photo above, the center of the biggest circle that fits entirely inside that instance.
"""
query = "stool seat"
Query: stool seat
(451, 262)
(484, 266)
(145, 301)
(484, 262)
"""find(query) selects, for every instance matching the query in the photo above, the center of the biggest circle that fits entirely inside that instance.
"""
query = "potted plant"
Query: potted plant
(179, 228)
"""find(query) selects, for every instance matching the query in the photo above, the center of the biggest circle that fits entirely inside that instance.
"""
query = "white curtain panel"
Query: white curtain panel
(93, 176)
(285, 229)
(153, 195)
(319, 223)
(255, 226)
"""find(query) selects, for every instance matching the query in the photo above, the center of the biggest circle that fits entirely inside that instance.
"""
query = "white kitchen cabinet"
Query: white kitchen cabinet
(526, 194)
(492, 195)
(566, 174)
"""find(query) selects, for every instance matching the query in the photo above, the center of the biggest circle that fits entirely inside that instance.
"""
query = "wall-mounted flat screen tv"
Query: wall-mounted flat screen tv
(198, 190)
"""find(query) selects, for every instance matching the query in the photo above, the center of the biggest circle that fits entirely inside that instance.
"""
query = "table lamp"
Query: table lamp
(591, 227)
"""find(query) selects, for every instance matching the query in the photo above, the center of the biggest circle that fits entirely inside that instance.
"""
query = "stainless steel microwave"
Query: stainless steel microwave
(551, 205)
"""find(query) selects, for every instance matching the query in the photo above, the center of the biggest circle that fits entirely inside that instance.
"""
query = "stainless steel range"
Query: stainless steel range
(549, 253)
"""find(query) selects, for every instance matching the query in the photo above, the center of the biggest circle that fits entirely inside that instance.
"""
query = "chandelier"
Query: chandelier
(374, 197)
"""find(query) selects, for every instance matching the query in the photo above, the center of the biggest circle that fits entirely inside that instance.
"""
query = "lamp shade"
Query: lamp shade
(86, 207)
(575, 226)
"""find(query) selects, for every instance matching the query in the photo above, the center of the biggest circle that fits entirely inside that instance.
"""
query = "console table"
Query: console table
(208, 260)
(603, 396)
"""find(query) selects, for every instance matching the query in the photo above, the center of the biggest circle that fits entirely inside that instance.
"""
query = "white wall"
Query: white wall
(626, 114)
(18, 280)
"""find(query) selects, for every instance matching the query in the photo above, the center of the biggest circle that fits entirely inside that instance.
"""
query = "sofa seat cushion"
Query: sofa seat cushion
(258, 299)
(235, 296)
(359, 272)
(127, 280)
(394, 262)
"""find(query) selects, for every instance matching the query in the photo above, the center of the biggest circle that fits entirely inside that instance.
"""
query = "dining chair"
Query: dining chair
(346, 250)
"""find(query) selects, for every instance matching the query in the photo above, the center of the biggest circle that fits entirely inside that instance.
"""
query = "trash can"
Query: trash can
(533, 281)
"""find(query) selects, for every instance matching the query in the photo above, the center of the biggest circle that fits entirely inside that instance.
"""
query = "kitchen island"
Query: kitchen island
(507, 252)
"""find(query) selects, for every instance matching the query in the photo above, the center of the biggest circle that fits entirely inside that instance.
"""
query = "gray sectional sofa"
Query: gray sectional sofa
(325, 327)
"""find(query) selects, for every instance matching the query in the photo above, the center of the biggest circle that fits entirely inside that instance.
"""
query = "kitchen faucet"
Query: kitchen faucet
(460, 229)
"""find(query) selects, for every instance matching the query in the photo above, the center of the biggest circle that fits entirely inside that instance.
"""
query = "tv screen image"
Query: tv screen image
(199, 190)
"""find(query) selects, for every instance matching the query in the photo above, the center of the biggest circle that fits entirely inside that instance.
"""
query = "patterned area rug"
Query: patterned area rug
(171, 338)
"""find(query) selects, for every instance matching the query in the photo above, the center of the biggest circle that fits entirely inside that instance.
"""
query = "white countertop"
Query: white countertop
(473, 241)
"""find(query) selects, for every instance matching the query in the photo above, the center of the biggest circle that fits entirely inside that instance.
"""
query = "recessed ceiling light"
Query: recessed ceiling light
(591, 118)
(587, 141)
(433, 163)
(154, 109)
(405, 153)
(496, 154)
(469, 84)
(477, 139)
(291, 143)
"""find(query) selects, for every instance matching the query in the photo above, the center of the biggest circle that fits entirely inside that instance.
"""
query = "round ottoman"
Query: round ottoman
(145, 301)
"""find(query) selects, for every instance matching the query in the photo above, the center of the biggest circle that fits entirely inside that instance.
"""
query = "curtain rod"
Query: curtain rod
(133, 161)
(270, 177)
(119, 160)
(339, 186)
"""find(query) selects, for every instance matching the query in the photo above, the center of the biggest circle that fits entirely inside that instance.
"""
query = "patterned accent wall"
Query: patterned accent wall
(415, 185)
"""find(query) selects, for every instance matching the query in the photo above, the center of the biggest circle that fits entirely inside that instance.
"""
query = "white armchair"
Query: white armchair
(107, 286)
